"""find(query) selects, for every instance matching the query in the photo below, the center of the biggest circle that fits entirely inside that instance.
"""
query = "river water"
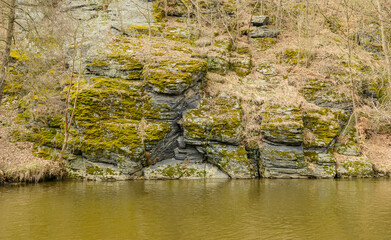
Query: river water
(193, 209)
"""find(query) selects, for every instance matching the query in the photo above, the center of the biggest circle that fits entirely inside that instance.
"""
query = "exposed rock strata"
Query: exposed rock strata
(142, 118)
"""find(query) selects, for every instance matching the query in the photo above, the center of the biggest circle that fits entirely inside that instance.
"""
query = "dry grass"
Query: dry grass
(378, 149)
(17, 163)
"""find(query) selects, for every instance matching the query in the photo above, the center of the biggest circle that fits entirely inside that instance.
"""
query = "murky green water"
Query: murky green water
(250, 209)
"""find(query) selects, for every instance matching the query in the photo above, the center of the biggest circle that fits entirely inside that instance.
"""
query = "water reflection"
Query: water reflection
(218, 209)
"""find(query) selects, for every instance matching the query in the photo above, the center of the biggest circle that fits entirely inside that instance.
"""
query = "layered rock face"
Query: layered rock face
(146, 118)
(142, 115)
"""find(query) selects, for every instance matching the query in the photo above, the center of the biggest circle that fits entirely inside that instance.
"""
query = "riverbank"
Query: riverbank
(17, 162)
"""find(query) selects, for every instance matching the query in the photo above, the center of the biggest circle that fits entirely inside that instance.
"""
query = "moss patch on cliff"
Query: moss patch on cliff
(231, 160)
(321, 127)
(174, 77)
(282, 124)
(218, 119)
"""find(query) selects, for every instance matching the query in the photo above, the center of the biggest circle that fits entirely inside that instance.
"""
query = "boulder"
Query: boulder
(355, 167)
(174, 169)
(217, 65)
(260, 21)
(264, 32)
(241, 66)
(232, 160)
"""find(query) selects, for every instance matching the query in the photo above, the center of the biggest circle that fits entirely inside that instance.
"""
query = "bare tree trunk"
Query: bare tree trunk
(384, 40)
(350, 54)
(67, 122)
(7, 51)
(165, 8)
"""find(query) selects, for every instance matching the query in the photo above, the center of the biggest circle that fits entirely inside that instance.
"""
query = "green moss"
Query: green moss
(217, 65)
(49, 137)
(231, 159)
(347, 143)
(321, 127)
(324, 93)
(55, 121)
(282, 124)
(296, 56)
(12, 88)
(95, 171)
(226, 45)
(98, 63)
(142, 31)
(180, 34)
(47, 153)
(220, 123)
(243, 50)
(158, 12)
(174, 77)
(179, 171)
(320, 157)
(108, 98)
(242, 67)
(355, 167)
(18, 56)
(21, 136)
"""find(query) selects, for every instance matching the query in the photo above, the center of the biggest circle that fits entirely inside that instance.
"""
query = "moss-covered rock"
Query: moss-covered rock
(116, 61)
(142, 31)
(279, 161)
(355, 167)
(263, 44)
(174, 77)
(282, 124)
(214, 120)
(180, 34)
(266, 69)
(321, 163)
(294, 56)
(241, 66)
(49, 137)
(110, 123)
(174, 169)
(325, 94)
(231, 159)
(321, 127)
(347, 142)
(217, 65)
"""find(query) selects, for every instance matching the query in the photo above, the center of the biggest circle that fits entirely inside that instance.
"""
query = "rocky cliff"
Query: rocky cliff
(142, 110)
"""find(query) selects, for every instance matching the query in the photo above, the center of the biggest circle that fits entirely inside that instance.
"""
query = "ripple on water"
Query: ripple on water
(214, 209)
